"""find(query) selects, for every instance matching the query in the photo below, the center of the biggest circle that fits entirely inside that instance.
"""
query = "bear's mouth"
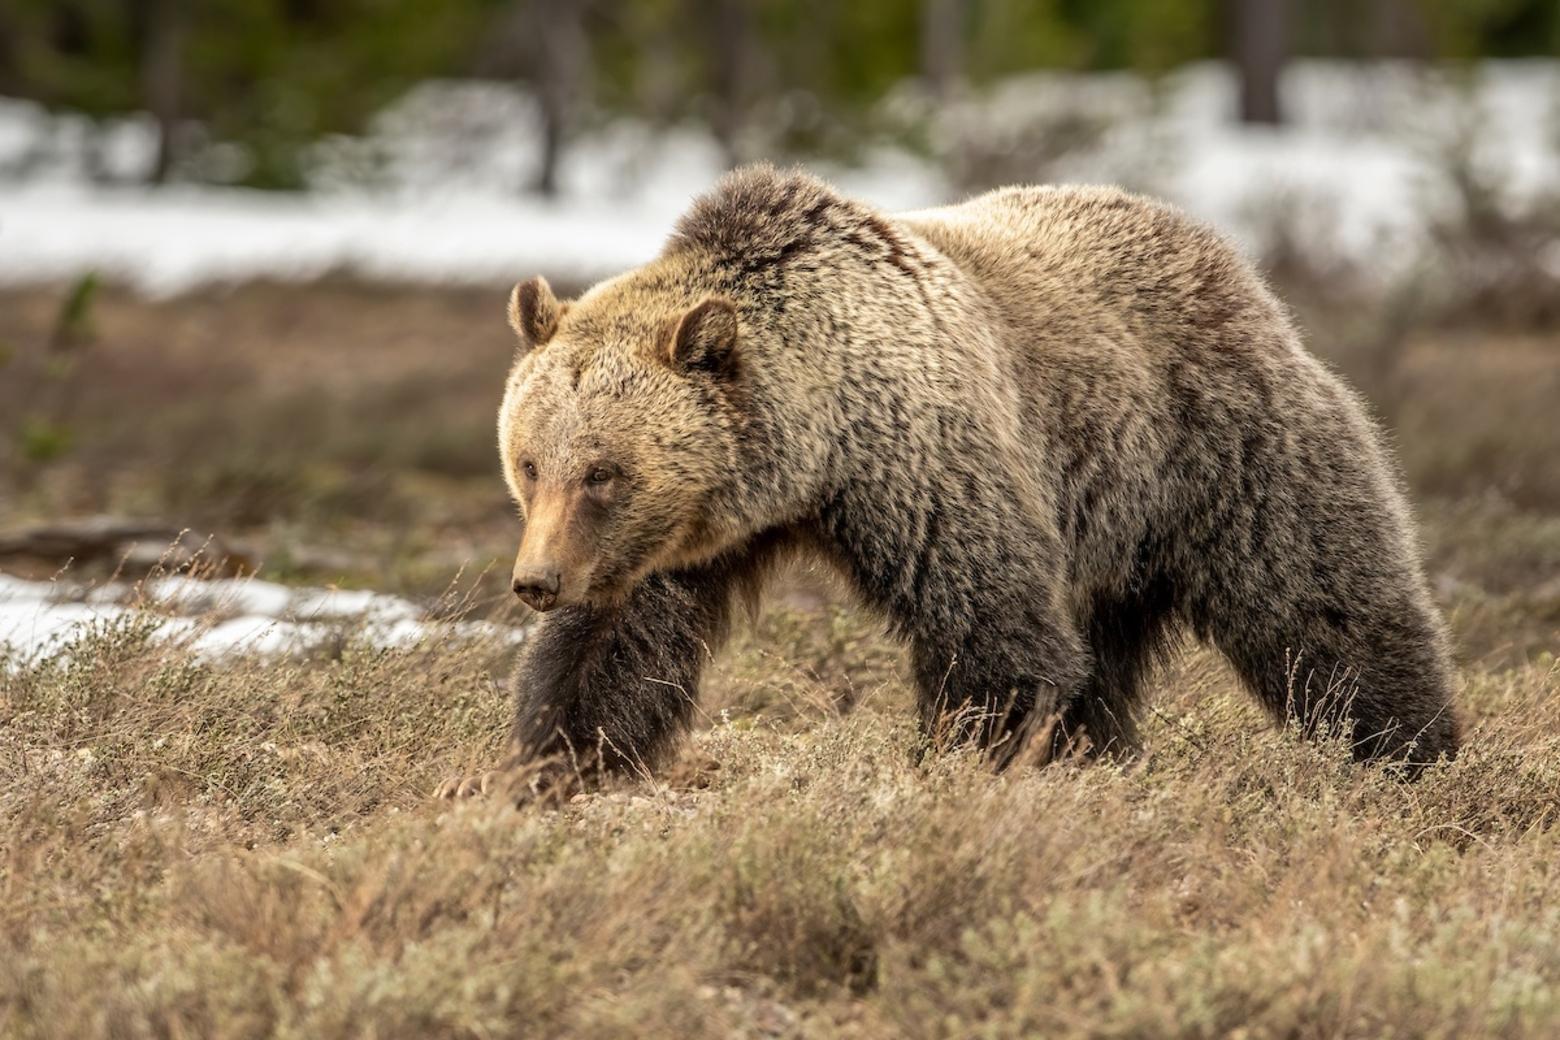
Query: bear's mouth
(539, 600)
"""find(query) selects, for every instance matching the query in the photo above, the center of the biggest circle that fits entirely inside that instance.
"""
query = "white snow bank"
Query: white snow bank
(434, 195)
(219, 618)
(169, 240)
(434, 192)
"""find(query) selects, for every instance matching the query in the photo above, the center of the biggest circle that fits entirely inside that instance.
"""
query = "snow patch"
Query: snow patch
(221, 618)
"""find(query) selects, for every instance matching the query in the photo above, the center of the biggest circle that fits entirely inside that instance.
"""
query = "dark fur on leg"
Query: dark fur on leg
(1383, 687)
(995, 656)
(613, 690)
(1127, 636)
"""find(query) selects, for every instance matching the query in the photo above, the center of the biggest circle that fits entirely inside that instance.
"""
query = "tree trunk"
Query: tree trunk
(1397, 29)
(734, 51)
(563, 67)
(942, 44)
(161, 76)
(1261, 46)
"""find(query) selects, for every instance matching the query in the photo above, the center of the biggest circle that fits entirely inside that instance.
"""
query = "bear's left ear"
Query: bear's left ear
(705, 339)
(534, 312)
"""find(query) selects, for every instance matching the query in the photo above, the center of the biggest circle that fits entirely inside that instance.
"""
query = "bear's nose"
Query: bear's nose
(538, 587)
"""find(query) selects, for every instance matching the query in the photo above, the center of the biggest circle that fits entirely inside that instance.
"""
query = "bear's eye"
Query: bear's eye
(529, 469)
(599, 476)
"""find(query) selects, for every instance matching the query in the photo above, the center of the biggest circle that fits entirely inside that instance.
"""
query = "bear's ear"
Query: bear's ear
(705, 339)
(534, 312)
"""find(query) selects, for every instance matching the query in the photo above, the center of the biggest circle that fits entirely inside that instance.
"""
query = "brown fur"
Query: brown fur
(1042, 431)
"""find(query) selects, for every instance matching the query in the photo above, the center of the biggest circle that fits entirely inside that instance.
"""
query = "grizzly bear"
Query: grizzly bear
(1041, 431)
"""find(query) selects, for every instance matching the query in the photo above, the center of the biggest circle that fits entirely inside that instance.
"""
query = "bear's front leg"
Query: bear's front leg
(1001, 681)
(604, 690)
(968, 572)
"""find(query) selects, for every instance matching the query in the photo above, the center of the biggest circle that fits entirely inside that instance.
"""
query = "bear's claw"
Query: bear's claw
(545, 781)
(467, 786)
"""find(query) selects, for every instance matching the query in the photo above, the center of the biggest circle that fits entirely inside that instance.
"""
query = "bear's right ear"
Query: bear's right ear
(534, 312)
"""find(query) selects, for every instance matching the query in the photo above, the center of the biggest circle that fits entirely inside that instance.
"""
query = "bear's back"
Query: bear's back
(1099, 261)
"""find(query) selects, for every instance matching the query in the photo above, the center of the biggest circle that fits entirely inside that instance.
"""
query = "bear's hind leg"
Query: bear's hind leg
(1379, 667)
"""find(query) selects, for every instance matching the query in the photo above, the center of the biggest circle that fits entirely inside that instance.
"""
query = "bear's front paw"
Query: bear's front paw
(468, 786)
(547, 782)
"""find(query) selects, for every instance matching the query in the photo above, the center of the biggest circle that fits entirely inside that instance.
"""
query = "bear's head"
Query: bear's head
(619, 424)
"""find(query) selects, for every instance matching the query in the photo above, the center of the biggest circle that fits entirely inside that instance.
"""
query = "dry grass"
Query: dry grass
(246, 849)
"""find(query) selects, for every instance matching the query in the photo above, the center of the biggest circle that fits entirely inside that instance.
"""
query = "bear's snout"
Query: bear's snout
(538, 587)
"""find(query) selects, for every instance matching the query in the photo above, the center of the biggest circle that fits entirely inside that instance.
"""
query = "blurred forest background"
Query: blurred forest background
(243, 243)
(241, 90)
